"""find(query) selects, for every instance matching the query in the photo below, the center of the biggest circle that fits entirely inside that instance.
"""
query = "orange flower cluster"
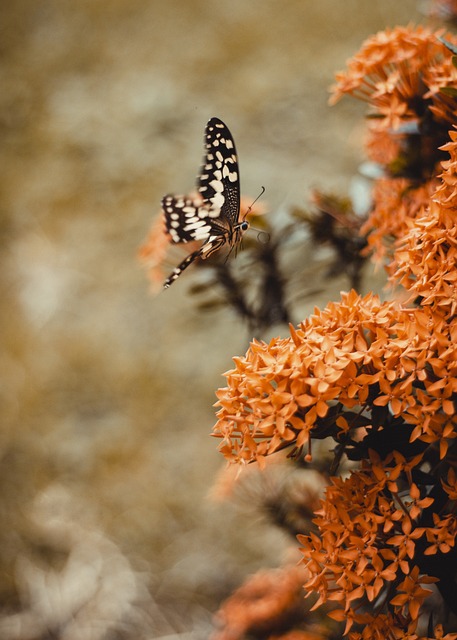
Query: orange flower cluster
(377, 378)
(396, 204)
(399, 72)
(382, 380)
(393, 627)
(369, 529)
(355, 353)
(267, 605)
(409, 80)
(426, 257)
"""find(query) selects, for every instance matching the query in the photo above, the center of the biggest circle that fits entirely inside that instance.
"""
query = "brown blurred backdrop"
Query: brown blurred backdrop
(107, 392)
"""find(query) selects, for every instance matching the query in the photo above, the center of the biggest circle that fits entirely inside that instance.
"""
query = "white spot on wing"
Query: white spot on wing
(195, 224)
(217, 184)
(202, 233)
(218, 201)
(231, 175)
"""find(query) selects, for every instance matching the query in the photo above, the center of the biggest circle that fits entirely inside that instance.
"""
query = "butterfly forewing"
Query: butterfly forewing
(219, 180)
(214, 221)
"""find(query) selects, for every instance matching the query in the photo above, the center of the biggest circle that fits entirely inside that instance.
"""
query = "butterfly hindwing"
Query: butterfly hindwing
(185, 221)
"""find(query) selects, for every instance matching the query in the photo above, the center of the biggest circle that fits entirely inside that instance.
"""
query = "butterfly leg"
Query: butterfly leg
(180, 268)
(204, 252)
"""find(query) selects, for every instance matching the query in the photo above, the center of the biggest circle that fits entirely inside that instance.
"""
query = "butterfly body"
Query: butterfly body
(215, 218)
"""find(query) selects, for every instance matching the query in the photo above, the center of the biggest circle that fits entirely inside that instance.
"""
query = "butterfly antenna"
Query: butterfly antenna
(250, 206)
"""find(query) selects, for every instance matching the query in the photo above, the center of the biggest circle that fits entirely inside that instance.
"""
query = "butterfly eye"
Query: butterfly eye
(244, 226)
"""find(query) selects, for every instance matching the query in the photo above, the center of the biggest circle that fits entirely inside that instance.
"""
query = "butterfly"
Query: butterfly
(215, 221)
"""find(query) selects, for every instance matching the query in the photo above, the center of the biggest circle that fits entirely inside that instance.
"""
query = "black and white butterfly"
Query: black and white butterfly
(216, 219)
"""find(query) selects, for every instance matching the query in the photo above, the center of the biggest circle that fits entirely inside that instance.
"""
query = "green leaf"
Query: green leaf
(449, 91)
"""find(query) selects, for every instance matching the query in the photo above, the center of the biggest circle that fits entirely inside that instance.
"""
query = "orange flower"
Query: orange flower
(347, 562)
(439, 634)
(400, 72)
(153, 252)
(451, 485)
(279, 390)
(442, 535)
(396, 204)
(426, 257)
(384, 147)
(403, 74)
(267, 602)
(405, 543)
(414, 594)
(379, 379)
(285, 392)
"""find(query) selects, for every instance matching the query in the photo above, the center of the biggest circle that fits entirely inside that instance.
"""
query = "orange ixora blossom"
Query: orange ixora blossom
(411, 593)
(382, 380)
(442, 535)
(268, 603)
(396, 204)
(451, 485)
(154, 253)
(386, 627)
(399, 72)
(377, 379)
(384, 147)
(356, 354)
(355, 556)
(408, 78)
(426, 257)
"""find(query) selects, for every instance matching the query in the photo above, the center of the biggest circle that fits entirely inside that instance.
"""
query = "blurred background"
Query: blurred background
(108, 528)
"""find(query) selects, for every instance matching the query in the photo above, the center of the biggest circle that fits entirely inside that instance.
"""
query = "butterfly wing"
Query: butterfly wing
(185, 220)
(219, 179)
